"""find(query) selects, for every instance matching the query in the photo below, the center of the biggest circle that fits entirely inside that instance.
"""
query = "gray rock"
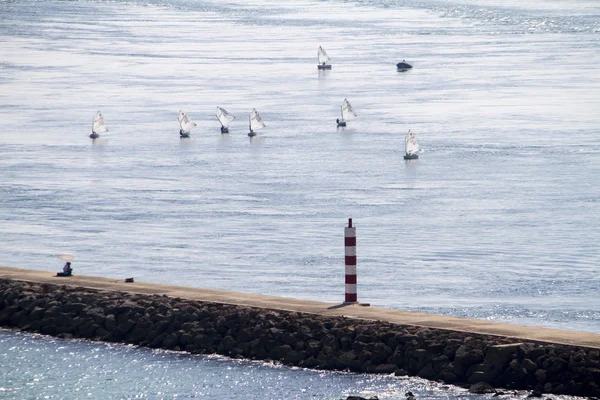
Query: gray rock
(380, 353)
(428, 372)
(347, 357)
(279, 353)
(555, 366)
(477, 377)
(171, 341)
(110, 323)
(447, 377)
(52, 312)
(529, 366)
(225, 346)
(294, 357)
(500, 355)
(36, 314)
(157, 342)
(481, 388)
(466, 356)
(385, 369)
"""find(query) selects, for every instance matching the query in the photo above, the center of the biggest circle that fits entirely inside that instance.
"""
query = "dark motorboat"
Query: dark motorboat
(94, 135)
(403, 66)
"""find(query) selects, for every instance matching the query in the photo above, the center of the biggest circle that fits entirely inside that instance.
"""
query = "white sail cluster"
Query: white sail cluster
(347, 111)
(322, 55)
(256, 121)
(185, 122)
(412, 146)
(224, 117)
(98, 125)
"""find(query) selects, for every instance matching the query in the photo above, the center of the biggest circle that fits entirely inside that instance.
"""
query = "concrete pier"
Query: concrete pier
(529, 333)
(309, 334)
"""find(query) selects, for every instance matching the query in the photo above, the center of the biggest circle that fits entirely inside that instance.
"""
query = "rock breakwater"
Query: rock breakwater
(298, 339)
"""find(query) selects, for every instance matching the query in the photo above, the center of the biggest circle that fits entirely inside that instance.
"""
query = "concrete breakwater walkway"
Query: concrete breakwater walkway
(303, 333)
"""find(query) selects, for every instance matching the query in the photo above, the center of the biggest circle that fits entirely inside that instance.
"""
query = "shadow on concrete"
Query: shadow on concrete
(340, 306)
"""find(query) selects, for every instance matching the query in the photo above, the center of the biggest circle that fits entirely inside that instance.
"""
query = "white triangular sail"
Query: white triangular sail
(185, 122)
(322, 55)
(224, 117)
(411, 145)
(256, 121)
(98, 125)
(347, 111)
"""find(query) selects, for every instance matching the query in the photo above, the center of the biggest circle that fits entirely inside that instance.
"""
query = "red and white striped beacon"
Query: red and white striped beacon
(350, 243)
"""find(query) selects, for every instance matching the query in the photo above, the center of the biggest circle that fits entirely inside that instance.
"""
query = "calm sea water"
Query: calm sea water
(498, 219)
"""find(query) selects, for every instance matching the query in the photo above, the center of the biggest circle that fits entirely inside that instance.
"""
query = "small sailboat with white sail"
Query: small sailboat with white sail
(323, 58)
(411, 146)
(185, 124)
(255, 122)
(224, 118)
(98, 125)
(347, 113)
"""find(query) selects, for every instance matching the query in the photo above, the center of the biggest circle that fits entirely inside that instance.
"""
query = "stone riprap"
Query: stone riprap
(298, 339)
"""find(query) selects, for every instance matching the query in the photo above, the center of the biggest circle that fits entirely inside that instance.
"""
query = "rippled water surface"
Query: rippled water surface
(499, 218)
(79, 370)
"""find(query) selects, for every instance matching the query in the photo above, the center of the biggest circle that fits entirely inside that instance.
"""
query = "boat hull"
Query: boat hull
(94, 135)
(341, 123)
(251, 134)
(402, 66)
(224, 130)
(326, 66)
(411, 157)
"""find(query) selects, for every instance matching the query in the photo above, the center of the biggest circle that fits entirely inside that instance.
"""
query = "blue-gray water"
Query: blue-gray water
(498, 219)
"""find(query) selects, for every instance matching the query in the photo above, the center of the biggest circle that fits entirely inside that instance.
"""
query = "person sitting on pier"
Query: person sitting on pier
(67, 270)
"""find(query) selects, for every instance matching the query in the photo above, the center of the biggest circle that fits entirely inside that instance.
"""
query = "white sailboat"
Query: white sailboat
(323, 58)
(255, 122)
(347, 113)
(224, 118)
(98, 125)
(411, 146)
(185, 124)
